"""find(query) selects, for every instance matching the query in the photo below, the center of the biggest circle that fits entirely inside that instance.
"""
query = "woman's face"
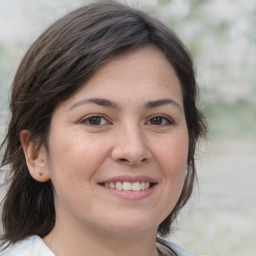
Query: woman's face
(118, 148)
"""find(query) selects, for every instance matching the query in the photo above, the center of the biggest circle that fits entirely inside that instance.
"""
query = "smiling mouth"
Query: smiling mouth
(128, 186)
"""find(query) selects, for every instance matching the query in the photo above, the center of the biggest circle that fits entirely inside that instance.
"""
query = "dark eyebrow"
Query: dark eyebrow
(98, 101)
(157, 103)
(111, 104)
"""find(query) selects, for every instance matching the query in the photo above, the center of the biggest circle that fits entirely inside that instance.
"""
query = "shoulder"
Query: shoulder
(175, 249)
(31, 246)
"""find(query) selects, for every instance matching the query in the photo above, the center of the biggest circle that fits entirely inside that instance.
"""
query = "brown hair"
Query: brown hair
(59, 62)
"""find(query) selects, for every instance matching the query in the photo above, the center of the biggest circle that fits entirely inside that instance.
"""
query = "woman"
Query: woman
(102, 137)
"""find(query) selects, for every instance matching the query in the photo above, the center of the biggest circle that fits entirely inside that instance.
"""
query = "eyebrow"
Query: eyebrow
(161, 102)
(107, 103)
(98, 101)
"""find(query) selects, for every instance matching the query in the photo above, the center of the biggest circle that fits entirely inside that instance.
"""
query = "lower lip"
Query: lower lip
(132, 195)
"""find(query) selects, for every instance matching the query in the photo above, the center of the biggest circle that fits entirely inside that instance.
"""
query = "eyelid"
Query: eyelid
(87, 117)
(163, 116)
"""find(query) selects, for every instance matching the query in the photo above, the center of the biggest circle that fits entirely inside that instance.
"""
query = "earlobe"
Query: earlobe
(36, 157)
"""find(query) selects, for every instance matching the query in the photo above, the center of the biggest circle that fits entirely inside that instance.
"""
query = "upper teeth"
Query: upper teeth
(128, 186)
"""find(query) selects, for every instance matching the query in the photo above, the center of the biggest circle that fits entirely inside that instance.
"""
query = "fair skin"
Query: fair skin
(124, 128)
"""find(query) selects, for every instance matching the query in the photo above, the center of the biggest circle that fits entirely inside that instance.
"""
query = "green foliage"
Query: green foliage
(164, 2)
(231, 121)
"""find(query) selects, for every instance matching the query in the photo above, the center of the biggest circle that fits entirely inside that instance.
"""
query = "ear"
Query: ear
(36, 157)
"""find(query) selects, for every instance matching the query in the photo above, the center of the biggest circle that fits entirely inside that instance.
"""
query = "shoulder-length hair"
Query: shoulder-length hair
(59, 62)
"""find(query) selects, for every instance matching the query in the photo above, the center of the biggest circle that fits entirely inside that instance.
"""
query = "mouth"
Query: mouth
(128, 186)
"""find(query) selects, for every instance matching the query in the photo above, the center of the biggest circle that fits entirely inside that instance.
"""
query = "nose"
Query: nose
(131, 147)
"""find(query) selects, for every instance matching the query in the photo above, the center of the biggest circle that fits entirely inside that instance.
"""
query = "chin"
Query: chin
(132, 226)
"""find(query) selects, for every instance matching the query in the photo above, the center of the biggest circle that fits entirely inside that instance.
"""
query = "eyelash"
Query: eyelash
(168, 121)
(89, 119)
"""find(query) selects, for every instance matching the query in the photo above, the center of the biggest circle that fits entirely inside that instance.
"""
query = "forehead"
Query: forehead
(143, 74)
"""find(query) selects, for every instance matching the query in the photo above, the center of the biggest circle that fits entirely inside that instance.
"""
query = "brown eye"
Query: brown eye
(95, 120)
(160, 121)
(156, 120)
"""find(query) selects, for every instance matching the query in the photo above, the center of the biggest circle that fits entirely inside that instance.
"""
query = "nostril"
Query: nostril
(126, 161)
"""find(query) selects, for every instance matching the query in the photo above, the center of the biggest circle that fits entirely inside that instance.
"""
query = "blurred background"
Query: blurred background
(221, 35)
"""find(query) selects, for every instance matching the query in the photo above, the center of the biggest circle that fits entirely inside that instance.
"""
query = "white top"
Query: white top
(35, 246)
(31, 246)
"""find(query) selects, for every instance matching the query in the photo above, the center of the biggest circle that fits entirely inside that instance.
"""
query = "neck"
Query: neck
(62, 241)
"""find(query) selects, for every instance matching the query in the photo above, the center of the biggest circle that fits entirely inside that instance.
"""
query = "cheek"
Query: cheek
(173, 152)
(76, 153)
(172, 157)
(74, 160)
